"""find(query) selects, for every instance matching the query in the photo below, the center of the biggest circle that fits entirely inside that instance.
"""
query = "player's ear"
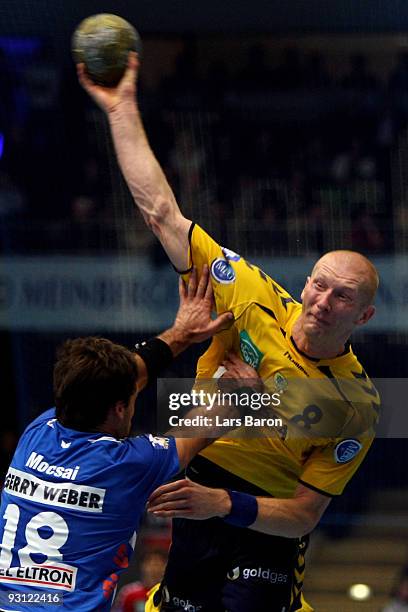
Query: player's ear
(306, 284)
(366, 315)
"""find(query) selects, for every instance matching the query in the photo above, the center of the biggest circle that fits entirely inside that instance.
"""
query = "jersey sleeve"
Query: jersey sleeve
(329, 468)
(236, 282)
(159, 458)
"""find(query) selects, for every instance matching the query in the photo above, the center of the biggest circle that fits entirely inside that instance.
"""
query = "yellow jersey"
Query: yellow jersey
(329, 406)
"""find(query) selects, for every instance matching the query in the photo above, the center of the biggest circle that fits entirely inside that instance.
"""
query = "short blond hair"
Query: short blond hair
(369, 276)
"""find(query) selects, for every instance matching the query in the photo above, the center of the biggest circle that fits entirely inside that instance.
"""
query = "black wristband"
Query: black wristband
(156, 354)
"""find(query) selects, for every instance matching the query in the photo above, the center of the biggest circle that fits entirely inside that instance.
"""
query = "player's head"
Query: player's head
(95, 386)
(339, 295)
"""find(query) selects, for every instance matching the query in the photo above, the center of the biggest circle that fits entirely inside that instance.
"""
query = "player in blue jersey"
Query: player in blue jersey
(77, 486)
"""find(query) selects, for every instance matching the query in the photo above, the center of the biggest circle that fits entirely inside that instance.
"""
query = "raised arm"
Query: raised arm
(148, 185)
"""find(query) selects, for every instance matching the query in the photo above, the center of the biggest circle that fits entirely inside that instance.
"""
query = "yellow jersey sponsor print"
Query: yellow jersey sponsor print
(329, 406)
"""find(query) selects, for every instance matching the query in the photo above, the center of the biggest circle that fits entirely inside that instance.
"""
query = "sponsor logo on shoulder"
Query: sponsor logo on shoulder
(250, 352)
(222, 271)
(159, 442)
(230, 255)
(346, 450)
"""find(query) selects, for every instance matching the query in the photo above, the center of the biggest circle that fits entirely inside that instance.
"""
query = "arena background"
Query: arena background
(282, 128)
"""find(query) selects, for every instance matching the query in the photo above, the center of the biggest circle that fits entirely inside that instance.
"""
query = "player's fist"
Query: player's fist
(109, 98)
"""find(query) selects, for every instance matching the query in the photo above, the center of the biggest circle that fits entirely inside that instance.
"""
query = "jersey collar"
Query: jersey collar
(347, 348)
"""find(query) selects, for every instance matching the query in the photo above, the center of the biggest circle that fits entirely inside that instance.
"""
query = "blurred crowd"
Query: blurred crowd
(288, 160)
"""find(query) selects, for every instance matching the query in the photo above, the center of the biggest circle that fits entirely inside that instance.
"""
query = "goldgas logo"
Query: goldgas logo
(264, 573)
(346, 450)
(257, 574)
(250, 352)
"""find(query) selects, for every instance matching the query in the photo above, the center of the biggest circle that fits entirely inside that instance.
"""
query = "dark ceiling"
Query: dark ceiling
(59, 17)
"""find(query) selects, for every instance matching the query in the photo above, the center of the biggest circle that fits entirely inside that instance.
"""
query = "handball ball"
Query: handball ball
(102, 42)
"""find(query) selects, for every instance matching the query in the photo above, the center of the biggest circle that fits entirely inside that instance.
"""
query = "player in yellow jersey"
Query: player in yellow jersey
(258, 498)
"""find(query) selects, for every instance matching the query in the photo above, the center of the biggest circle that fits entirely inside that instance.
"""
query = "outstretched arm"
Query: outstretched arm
(290, 518)
(145, 178)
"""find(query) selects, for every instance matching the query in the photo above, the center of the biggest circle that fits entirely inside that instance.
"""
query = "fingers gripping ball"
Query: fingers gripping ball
(102, 42)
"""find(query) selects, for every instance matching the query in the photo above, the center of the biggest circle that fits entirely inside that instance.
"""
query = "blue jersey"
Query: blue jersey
(70, 510)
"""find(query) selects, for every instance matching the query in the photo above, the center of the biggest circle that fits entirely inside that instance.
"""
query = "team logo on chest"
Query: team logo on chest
(281, 384)
(250, 352)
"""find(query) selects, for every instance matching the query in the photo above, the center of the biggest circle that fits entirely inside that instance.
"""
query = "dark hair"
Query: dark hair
(90, 376)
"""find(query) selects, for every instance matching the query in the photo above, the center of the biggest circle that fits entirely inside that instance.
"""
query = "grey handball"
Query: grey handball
(102, 42)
